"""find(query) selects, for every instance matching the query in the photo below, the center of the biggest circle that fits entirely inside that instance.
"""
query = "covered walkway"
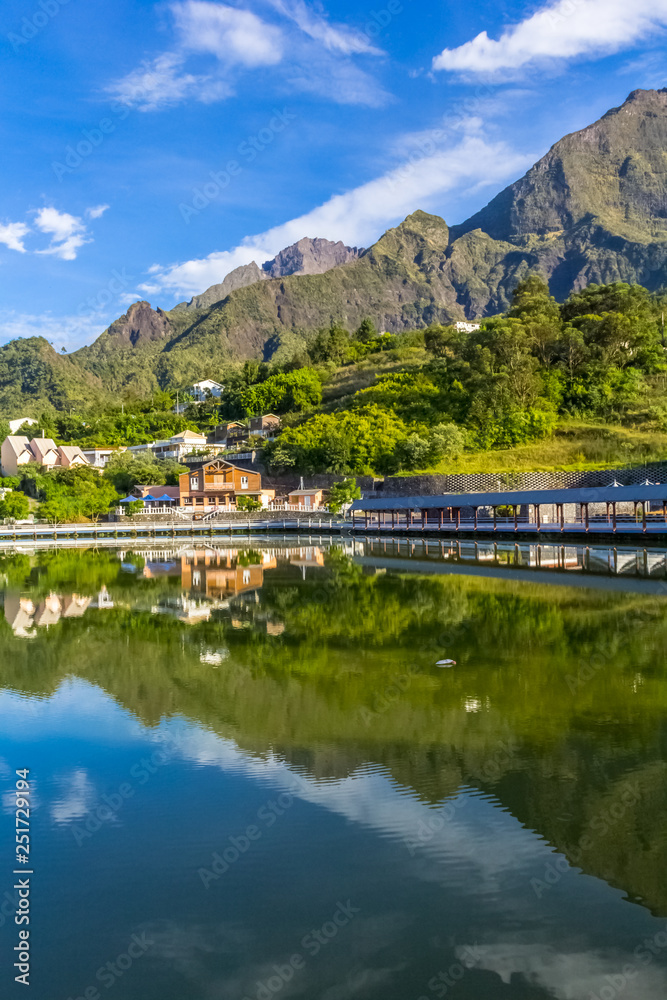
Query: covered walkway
(629, 509)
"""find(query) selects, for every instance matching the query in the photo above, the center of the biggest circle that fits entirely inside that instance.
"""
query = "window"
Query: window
(244, 482)
(194, 482)
(246, 576)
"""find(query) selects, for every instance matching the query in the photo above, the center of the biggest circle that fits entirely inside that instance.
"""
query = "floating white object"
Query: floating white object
(446, 663)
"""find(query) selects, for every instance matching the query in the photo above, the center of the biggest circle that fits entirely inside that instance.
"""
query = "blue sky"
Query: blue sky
(149, 148)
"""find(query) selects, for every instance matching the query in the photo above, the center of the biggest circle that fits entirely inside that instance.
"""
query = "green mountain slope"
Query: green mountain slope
(34, 378)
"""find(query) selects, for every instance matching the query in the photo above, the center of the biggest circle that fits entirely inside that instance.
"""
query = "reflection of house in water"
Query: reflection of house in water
(223, 574)
(23, 614)
(309, 557)
(185, 609)
(19, 614)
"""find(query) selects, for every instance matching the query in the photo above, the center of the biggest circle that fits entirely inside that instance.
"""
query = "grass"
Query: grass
(573, 447)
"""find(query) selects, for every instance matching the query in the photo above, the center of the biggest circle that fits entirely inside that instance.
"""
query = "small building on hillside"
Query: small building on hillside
(266, 426)
(99, 457)
(201, 391)
(466, 327)
(45, 451)
(176, 447)
(220, 484)
(16, 425)
(307, 499)
(71, 456)
(14, 454)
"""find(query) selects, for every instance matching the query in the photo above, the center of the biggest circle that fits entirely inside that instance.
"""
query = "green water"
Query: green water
(248, 761)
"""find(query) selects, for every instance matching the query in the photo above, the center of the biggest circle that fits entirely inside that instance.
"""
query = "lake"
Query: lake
(249, 779)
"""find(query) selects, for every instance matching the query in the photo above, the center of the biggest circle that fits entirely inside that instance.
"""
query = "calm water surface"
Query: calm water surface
(251, 781)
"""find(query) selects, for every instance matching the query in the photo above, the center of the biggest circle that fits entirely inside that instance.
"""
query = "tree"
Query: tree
(441, 340)
(15, 506)
(125, 470)
(366, 332)
(288, 391)
(134, 507)
(248, 503)
(341, 494)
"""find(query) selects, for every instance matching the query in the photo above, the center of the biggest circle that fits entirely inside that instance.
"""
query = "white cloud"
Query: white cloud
(233, 35)
(562, 30)
(70, 332)
(334, 37)
(163, 82)
(12, 235)
(68, 232)
(358, 216)
(78, 794)
(96, 212)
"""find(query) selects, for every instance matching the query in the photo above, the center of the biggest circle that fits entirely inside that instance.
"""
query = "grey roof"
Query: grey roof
(594, 494)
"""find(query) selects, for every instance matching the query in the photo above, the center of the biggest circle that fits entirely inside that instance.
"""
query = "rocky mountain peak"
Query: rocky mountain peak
(310, 256)
(141, 324)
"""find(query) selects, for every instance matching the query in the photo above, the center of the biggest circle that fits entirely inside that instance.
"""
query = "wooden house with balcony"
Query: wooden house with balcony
(220, 484)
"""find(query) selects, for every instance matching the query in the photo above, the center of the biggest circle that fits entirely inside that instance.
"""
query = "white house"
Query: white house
(466, 327)
(15, 425)
(200, 391)
(176, 447)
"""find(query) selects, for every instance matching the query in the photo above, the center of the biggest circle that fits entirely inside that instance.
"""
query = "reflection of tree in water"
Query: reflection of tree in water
(338, 669)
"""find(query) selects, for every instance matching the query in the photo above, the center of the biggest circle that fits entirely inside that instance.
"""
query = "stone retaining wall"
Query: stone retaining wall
(434, 485)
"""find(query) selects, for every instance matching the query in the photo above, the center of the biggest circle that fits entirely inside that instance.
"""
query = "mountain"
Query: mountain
(308, 256)
(34, 378)
(593, 209)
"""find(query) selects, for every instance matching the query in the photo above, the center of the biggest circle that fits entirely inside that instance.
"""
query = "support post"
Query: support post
(476, 509)
(423, 518)
(537, 516)
(516, 518)
(365, 520)
(458, 518)
(585, 506)
(442, 514)
(644, 515)
(495, 518)
(562, 517)
(613, 515)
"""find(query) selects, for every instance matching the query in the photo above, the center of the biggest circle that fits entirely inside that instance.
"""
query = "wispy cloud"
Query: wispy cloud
(334, 37)
(68, 232)
(97, 212)
(564, 30)
(360, 215)
(12, 235)
(164, 82)
(308, 52)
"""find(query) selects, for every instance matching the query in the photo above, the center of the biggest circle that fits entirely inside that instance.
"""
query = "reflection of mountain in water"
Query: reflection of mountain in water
(556, 706)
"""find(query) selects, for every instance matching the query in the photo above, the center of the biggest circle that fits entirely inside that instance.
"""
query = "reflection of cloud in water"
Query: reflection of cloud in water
(189, 948)
(78, 795)
(574, 975)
